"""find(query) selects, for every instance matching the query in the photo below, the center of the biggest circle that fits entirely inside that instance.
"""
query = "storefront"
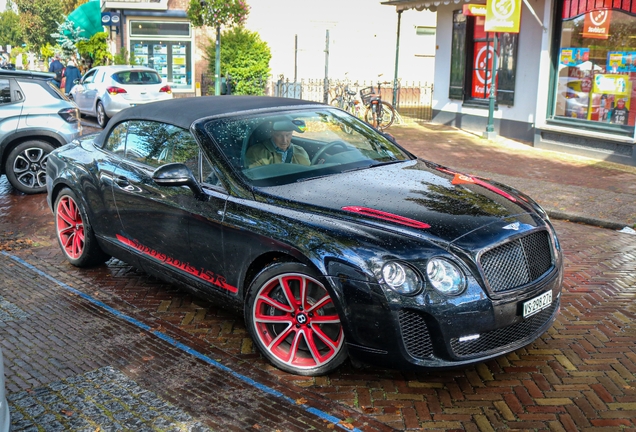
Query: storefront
(157, 34)
(566, 81)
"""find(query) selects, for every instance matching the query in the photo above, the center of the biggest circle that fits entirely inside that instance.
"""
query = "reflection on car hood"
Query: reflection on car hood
(420, 197)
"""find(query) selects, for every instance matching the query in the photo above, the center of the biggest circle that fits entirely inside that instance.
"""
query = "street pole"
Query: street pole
(490, 133)
(326, 83)
(217, 62)
(295, 57)
(397, 56)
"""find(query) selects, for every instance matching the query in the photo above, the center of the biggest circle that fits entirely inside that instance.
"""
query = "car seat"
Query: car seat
(261, 133)
(133, 78)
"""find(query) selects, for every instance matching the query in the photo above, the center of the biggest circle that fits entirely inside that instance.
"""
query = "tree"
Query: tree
(38, 20)
(95, 50)
(245, 58)
(69, 6)
(217, 13)
(10, 30)
(67, 36)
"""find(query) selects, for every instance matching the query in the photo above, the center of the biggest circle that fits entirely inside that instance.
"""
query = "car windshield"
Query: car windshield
(137, 77)
(286, 147)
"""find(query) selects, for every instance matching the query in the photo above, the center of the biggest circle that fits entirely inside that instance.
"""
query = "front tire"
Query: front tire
(293, 320)
(74, 232)
(102, 118)
(26, 166)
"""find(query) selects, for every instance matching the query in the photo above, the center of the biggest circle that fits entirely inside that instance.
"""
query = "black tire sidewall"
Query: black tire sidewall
(263, 277)
(8, 168)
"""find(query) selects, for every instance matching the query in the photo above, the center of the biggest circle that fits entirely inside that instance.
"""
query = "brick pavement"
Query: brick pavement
(580, 375)
(64, 355)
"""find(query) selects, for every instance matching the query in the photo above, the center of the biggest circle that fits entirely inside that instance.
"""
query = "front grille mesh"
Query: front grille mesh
(497, 339)
(518, 262)
(415, 334)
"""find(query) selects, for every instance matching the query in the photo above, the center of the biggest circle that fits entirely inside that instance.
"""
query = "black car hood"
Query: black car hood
(420, 197)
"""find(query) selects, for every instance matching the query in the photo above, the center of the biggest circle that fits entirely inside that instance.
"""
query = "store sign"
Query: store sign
(482, 69)
(503, 16)
(596, 24)
(474, 10)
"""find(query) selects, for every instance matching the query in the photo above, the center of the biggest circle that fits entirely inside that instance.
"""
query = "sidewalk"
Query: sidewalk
(568, 187)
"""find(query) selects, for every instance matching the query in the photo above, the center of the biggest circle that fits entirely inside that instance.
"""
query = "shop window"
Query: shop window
(165, 47)
(596, 73)
(171, 60)
(472, 62)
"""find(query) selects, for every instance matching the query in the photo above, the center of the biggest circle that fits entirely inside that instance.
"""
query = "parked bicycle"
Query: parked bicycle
(379, 114)
(345, 100)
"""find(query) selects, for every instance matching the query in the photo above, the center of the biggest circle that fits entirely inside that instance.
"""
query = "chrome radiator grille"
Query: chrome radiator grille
(518, 262)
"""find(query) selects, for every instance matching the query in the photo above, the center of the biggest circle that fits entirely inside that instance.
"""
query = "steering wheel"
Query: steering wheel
(322, 151)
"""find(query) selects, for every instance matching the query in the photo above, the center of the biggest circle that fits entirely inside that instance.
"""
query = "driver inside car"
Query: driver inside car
(279, 148)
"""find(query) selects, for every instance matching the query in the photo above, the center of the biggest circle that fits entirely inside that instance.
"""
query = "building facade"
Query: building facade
(158, 34)
(566, 81)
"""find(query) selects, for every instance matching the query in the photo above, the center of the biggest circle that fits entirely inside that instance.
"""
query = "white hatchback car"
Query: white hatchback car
(105, 90)
(4, 406)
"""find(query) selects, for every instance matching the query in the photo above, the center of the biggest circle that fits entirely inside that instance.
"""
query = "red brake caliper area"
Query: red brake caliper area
(70, 227)
(296, 320)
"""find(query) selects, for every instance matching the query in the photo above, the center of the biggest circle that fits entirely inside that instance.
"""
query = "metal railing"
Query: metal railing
(413, 100)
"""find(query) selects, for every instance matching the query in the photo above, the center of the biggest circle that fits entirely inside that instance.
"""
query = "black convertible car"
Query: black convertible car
(333, 239)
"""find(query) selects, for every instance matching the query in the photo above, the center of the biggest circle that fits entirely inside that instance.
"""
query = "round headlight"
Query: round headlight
(445, 276)
(400, 278)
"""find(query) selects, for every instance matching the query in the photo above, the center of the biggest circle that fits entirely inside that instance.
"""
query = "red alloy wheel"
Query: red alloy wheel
(297, 322)
(70, 227)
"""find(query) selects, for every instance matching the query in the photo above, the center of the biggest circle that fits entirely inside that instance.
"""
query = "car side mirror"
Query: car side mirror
(177, 174)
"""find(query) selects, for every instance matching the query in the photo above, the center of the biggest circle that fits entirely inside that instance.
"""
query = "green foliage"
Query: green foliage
(95, 50)
(47, 51)
(10, 30)
(25, 55)
(245, 57)
(124, 57)
(67, 36)
(70, 5)
(38, 20)
(217, 13)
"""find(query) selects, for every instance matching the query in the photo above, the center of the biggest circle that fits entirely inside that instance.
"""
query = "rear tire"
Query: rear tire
(102, 118)
(293, 320)
(74, 232)
(26, 166)
(387, 119)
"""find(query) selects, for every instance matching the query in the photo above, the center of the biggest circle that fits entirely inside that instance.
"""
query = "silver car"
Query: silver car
(4, 406)
(35, 118)
(105, 90)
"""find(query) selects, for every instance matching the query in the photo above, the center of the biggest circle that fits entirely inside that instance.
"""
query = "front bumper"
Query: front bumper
(423, 333)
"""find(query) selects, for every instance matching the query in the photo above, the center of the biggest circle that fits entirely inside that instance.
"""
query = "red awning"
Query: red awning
(574, 8)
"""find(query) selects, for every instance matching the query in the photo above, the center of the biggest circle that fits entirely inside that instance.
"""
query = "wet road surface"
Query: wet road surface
(115, 348)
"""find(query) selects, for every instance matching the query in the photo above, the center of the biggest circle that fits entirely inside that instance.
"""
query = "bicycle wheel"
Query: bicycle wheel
(386, 115)
(337, 102)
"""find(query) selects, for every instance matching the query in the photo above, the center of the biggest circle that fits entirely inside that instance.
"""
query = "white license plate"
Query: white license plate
(541, 302)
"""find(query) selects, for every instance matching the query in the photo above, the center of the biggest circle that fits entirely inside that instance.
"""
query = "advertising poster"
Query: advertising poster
(610, 99)
(482, 70)
(574, 56)
(621, 61)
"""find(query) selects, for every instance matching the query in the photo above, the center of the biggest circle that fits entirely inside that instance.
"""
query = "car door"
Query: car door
(158, 221)
(85, 92)
(11, 102)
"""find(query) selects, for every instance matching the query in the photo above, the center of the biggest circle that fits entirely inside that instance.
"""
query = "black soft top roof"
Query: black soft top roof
(183, 112)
